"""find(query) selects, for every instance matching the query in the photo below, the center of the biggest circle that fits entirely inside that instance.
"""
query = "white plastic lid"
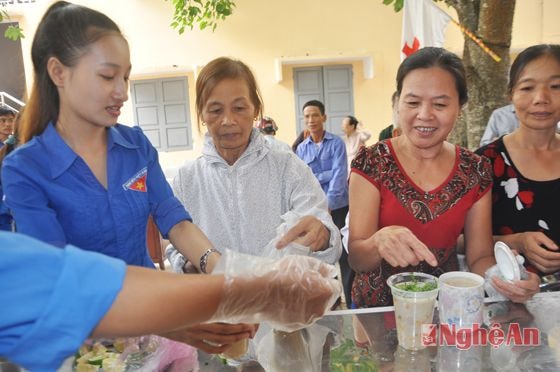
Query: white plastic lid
(507, 262)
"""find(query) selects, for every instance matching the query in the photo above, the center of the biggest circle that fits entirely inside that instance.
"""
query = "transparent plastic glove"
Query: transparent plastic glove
(290, 292)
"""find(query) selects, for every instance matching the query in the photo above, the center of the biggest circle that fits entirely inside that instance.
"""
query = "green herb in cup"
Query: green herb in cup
(417, 286)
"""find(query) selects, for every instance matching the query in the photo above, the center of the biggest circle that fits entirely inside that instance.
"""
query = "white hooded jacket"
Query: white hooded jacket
(240, 206)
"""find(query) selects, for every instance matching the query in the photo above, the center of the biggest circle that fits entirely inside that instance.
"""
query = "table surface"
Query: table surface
(329, 345)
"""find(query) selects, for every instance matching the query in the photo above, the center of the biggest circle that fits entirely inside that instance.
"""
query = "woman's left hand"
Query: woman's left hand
(310, 232)
(520, 290)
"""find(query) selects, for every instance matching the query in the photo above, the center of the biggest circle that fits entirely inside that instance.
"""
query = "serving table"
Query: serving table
(366, 340)
(530, 342)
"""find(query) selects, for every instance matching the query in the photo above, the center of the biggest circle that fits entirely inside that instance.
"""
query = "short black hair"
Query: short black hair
(435, 57)
(315, 103)
(268, 130)
(6, 111)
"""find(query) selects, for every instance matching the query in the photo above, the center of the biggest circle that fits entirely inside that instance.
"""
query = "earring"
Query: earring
(203, 124)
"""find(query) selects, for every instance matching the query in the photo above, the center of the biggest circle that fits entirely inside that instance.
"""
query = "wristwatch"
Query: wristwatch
(204, 259)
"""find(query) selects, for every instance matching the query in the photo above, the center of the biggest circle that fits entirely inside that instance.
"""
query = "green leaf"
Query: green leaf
(193, 12)
(204, 13)
(14, 33)
(397, 5)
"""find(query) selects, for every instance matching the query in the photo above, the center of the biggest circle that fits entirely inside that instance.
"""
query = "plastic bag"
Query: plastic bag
(290, 220)
(489, 288)
(171, 356)
(304, 347)
(495, 271)
(145, 353)
(290, 292)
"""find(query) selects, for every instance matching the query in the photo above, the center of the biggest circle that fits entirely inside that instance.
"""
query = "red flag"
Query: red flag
(139, 184)
(424, 25)
(138, 181)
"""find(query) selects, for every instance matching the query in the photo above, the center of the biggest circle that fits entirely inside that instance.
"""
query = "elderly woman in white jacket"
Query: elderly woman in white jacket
(240, 189)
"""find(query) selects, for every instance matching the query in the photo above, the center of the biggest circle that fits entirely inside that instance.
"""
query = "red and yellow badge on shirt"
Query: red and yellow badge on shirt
(138, 181)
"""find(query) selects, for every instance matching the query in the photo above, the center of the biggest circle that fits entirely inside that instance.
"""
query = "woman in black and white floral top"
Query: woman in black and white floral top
(526, 163)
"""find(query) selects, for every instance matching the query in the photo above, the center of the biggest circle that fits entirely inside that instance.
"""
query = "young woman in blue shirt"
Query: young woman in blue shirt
(79, 177)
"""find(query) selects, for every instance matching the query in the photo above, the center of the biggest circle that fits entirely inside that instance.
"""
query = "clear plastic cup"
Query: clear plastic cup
(414, 306)
(237, 349)
(406, 360)
(453, 359)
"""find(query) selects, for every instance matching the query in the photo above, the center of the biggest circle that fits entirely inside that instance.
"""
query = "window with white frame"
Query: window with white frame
(161, 109)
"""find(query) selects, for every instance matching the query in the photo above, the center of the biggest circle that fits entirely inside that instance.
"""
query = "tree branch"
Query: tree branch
(204, 13)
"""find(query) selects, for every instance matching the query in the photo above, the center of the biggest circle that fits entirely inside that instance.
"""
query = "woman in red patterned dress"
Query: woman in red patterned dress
(526, 163)
(412, 196)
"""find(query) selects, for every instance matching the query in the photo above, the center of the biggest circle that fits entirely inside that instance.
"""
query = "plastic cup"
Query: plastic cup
(406, 360)
(451, 359)
(461, 299)
(413, 308)
(237, 349)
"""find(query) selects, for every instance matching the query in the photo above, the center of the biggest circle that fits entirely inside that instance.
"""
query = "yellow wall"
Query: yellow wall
(297, 32)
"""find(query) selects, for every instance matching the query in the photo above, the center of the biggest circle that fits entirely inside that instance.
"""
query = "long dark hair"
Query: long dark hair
(352, 121)
(300, 138)
(66, 32)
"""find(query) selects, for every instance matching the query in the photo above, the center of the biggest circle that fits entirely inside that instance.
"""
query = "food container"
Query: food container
(414, 296)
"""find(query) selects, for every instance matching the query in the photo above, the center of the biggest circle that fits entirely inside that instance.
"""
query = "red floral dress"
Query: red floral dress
(518, 203)
(436, 217)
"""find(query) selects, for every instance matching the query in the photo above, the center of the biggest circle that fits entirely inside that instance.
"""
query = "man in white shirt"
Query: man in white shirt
(502, 121)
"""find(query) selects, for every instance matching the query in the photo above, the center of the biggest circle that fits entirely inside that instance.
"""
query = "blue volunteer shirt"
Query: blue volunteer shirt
(328, 164)
(5, 216)
(54, 196)
(52, 299)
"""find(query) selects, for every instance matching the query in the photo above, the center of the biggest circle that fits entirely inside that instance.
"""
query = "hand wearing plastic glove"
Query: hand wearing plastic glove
(290, 292)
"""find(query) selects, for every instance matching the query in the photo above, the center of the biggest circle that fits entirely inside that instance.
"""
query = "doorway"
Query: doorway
(331, 85)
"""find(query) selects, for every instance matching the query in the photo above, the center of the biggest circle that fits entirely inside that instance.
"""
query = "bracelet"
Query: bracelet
(204, 259)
